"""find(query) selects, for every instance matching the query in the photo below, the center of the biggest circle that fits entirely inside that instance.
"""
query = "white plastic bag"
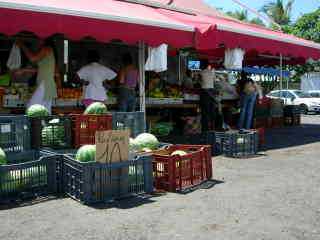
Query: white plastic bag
(157, 59)
(233, 58)
(14, 60)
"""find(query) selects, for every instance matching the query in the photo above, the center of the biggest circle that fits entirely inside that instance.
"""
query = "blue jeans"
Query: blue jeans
(247, 108)
(127, 100)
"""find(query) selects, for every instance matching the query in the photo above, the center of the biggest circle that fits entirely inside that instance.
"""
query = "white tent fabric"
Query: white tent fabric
(310, 81)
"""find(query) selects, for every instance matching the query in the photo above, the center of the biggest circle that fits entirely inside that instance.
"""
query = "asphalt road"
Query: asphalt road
(274, 196)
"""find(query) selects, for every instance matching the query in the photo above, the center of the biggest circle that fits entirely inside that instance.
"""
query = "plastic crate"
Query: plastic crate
(262, 122)
(277, 122)
(85, 127)
(94, 182)
(240, 145)
(134, 121)
(37, 174)
(52, 131)
(178, 173)
(291, 110)
(14, 134)
(207, 138)
(292, 120)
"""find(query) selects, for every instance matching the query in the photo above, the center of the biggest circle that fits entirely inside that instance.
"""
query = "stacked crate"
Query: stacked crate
(292, 115)
(262, 114)
(276, 112)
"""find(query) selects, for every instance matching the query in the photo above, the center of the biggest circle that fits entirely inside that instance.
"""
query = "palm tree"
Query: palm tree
(240, 15)
(278, 11)
(257, 21)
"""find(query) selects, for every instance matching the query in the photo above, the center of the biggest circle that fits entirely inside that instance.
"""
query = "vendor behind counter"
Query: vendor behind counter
(94, 77)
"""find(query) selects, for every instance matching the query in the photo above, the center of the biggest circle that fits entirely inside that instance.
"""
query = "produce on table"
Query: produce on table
(97, 108)
(54, 134)
(86, 153)
(37, 110)
(156, 93)
(162, 129)
(147, 140)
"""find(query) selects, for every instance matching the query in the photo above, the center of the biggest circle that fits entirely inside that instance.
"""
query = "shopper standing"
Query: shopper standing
(46, 90)
(206, 97)
(128, 79)
(249, 91)
(94, 77)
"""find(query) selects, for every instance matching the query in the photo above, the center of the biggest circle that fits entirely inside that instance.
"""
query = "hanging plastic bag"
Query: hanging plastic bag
(157, 59)
(14, 60)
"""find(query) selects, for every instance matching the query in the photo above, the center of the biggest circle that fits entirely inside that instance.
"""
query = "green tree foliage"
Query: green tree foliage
(308, 26)
(278, 11)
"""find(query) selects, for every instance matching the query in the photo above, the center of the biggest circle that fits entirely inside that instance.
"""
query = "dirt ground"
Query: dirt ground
(274, 196)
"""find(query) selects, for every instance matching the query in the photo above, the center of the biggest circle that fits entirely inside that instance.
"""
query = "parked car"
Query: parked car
(314, 93)
(305, 100)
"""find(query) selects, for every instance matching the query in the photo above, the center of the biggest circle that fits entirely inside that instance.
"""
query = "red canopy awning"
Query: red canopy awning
(215, 31)
(103, 20)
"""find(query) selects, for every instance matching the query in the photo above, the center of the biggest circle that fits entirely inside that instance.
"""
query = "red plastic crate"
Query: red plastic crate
(85, 127)
(177, 173)
(262, 122)
(277, 122)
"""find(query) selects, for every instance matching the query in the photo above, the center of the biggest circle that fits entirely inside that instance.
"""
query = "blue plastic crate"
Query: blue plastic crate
(135, 121)
(14, 134)
(94, 182)
(37, 173)
(239, 144)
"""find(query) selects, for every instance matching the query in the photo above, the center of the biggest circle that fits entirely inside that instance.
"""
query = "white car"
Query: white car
(314, 93)
(299, 98)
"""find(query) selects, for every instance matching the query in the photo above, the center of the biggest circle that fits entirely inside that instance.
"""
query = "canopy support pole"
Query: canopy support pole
(142, 96)
(281, 73)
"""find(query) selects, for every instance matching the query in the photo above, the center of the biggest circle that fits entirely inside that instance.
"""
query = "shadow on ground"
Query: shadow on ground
(295, 136)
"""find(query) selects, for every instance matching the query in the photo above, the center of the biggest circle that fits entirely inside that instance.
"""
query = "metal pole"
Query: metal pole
(281, 73)
(142, 96)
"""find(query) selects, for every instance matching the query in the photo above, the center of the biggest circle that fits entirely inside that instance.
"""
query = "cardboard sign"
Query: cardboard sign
(112, 146)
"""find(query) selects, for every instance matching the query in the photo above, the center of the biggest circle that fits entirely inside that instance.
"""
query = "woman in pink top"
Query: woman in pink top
(128, 78)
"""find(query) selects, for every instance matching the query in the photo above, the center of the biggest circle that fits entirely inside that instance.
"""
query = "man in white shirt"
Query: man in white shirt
(94, 77)
(207, 98)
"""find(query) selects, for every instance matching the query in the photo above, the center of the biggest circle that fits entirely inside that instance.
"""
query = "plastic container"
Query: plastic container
(294, 120)
(207, 138)
(240, 145)
(178, 173)
(37, 174)
(53, 131)
(85, 127)
(94, 182)
(135, 121)
(14, 134)
(291, 110)
(277, 122)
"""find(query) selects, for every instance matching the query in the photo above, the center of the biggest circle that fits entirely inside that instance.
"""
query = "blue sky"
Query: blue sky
(300, 6)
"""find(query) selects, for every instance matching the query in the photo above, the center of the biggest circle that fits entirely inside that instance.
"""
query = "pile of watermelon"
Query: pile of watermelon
(53, 134)
(37, 110)
(145, 142)
(97, 108)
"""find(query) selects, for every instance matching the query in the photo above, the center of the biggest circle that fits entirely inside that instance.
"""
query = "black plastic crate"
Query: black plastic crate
(291, 110)
(14, 134)
(53, 131)
(239, 144)
(37, 174)
(207, 138)
(94, 182)
(135, 121)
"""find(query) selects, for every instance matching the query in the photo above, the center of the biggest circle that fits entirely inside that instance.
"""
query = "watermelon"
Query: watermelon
(97, 108)
(146, 140)
(3, 157)
(54, 134)
(86, 153)
(37, 110)
(179, 152)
